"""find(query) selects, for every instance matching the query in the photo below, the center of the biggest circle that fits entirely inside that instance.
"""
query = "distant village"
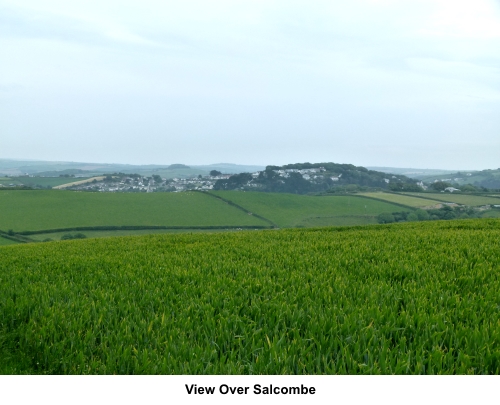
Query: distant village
(273, 179)
(136, 183)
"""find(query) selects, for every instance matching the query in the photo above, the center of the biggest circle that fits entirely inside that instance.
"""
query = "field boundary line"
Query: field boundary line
(240, 208)
(16, 237)
(459, 194)
(139, 228)
(380, 199)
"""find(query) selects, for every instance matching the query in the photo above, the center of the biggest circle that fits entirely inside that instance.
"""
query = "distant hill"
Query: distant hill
(302, 178)
(485, 178)
(12, 167)
(410, 172)
(178, 166)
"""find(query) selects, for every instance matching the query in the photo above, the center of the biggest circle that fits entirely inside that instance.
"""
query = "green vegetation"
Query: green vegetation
(40, 237)
(337, 220)
(5, 241)
(289, 210)
(410, 201)
(443, 213)
(35, 210)
(414, 298)
(303, 178)
(40, 182)
(69, 236)
(485, 178)
(471, 200)
(491, 214)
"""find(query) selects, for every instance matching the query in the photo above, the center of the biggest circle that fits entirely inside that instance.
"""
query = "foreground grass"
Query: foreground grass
(406, 298)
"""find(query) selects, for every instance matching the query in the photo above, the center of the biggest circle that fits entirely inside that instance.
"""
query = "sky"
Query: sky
(411, 83)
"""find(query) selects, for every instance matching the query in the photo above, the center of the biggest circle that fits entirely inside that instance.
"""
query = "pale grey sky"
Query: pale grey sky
(371, 82)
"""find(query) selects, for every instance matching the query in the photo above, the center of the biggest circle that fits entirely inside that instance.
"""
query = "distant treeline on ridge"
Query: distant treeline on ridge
(302, 178)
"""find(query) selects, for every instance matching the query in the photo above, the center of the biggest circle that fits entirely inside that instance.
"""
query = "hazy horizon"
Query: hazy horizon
(231, 163)
(378, 83)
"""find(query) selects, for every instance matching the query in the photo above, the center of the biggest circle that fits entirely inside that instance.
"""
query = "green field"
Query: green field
(42, 210)
(290, 210)
(34, 210)
(54, 236)
(491, 214)
(39, 181)
(463, 199)
(407, 200)
(5, 242)
(414, 298)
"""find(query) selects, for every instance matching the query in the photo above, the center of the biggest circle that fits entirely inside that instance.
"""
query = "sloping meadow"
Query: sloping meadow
(415, 298)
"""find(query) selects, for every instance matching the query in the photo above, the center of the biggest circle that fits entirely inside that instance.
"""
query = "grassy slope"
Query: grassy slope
(288, 210)
(5, 242)
(49, 209)
(491, 214)
(410, 201)
(476, 177)
(41, 181)
(472, 200)
(405, 298)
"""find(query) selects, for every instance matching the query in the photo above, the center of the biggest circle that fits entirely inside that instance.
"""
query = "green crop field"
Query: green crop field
(33, 210)
(414, 298)
(464, 199)
(407, 200)
(290, 210)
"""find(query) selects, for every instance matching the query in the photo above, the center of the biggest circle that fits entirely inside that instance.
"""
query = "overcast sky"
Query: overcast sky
(371, 82)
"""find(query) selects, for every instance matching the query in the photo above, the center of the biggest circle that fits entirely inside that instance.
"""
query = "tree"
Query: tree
(422, 215)
(439, 185)
(412, 217)
(385, 218)
(468, 188)
(214, 173)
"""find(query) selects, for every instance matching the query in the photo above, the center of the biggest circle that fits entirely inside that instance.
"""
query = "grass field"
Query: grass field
(33, 210)
(414, 298)
(109, 233)
(491, 214)
(39, 181)
(463, 199)
(407, 200)
(290, 210)
(5, 242)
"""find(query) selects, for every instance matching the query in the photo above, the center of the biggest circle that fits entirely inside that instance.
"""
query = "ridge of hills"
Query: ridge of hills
(14, 167)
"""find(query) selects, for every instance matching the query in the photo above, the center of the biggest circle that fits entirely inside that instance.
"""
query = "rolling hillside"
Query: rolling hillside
(35, 210)
(291, 210)
(42, 214)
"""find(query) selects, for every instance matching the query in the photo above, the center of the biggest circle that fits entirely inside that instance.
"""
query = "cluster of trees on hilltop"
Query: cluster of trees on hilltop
(443, 213)
(299, 178)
